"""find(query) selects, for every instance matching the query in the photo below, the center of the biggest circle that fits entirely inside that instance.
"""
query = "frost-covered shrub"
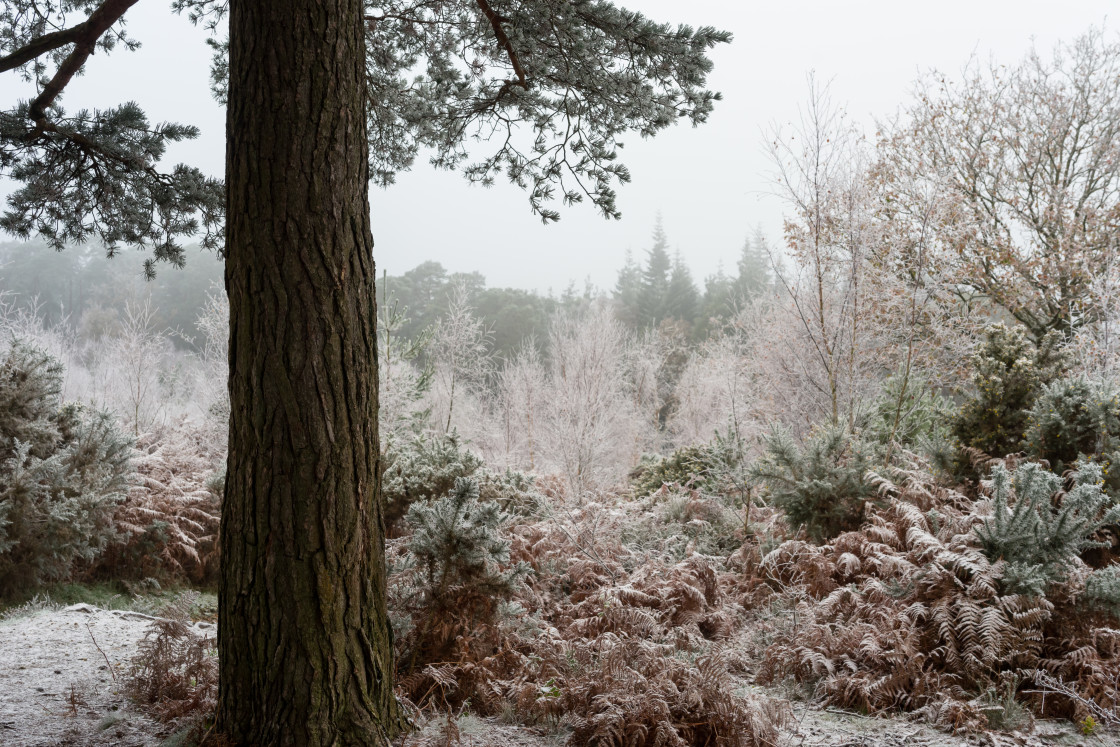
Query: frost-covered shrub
(1102, 589)
(514, 492)
(424, 468)
(676, 522)
(711, 467)
(63, 470)
(1040, 538)
(1009, 372)
(460, 570)
(909, 412)
(822, 485)
(427, 468)
(1073, 418)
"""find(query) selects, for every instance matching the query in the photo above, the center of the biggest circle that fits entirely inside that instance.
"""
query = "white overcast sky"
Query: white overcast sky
(712, 185)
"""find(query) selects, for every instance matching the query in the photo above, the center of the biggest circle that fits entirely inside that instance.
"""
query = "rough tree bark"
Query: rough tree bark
(305, 645)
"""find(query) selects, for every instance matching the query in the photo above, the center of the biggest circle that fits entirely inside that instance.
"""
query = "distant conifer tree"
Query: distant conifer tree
(682, 300)
(754, 269)
(655, 279)
(627, 291)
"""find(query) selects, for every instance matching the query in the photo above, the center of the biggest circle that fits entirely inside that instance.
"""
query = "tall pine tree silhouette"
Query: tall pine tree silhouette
(682, 301)
(655, 280)
(754, 269)
(628, 290)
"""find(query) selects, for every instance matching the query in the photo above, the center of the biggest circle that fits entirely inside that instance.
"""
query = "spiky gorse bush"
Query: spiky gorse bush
(1073, 418)
(1009, 372)
(939, 598)
(821, 485)
(456, 573)
(1038, 542)
(712, 467)
(427, 468)
(63, 470)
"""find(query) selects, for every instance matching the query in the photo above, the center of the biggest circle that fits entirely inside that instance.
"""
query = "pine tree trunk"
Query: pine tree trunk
(304, 641)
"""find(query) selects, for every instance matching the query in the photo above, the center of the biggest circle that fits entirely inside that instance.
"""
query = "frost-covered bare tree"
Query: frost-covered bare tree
(137, 359)
(821, 172)
(1027, 159)
(925, 321)
(592, 424)
(716, 390)
(521, 407)
(651, 385)
(211, 396)
(403, 383)
(461, 361)
(1095, 347)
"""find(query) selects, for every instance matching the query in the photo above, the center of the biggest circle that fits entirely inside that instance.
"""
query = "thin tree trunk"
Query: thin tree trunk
(305, 646)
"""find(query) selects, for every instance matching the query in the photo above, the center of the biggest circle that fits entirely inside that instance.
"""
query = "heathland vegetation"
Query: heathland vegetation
(874, 466)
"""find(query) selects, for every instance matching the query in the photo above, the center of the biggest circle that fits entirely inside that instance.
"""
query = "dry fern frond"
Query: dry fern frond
(175, 674)
(170, 516)
(909, 613)
(622, 645)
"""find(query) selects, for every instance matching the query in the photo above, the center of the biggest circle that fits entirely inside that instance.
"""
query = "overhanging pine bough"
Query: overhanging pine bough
(324, 95)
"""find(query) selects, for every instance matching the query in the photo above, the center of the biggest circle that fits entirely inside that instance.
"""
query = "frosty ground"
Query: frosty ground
(61, 684)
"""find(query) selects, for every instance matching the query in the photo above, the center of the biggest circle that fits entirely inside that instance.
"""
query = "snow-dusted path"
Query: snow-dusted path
(57, 688)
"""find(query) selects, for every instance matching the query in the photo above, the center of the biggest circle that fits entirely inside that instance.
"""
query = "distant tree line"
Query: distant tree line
(79, 287)
(75, 287)
(662, 288)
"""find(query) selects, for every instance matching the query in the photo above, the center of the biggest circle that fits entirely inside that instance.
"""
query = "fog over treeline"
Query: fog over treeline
(83, 289)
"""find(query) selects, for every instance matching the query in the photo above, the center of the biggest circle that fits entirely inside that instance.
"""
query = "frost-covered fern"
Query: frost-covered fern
(938, 598)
